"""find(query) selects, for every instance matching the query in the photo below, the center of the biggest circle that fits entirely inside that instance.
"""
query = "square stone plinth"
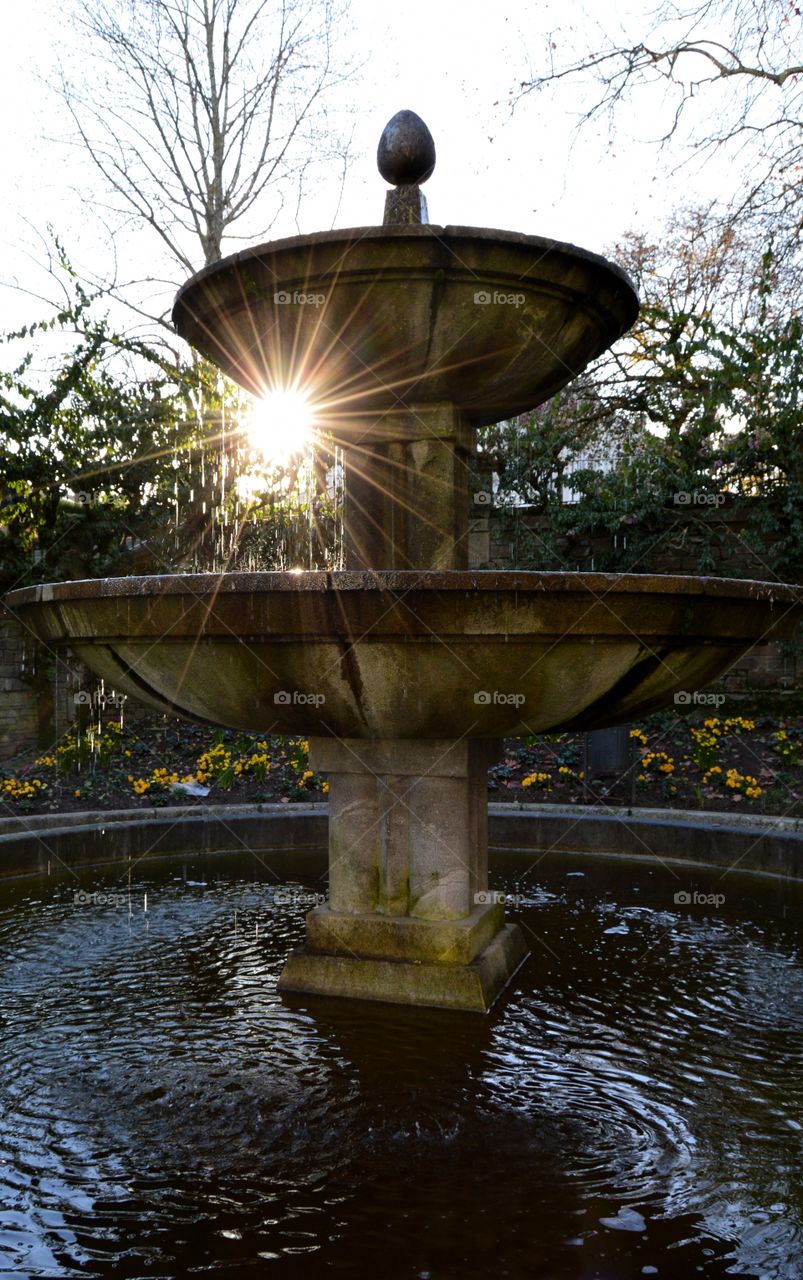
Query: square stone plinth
(380, 937)
(471, 987)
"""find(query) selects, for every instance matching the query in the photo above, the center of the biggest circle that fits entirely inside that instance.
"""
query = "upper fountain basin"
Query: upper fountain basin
(408, 654)
(376, 318)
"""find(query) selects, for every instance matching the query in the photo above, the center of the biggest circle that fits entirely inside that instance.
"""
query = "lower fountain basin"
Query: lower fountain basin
(408, 654)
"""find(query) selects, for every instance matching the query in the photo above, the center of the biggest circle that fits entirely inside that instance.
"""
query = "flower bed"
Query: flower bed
(692, 762)
(695, 762)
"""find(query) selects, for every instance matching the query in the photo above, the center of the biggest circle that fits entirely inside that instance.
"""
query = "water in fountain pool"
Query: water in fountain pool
(634, 1108)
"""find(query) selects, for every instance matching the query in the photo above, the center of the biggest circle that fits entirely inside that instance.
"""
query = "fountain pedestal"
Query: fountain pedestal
(411, 335)
(406, 492)
(409, 918)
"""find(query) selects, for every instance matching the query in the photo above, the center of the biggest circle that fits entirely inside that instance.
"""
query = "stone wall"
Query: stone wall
(681, 549)
(37, 691)
(18, 709)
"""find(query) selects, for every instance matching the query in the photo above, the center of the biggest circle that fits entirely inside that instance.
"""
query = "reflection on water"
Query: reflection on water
(634, 1108)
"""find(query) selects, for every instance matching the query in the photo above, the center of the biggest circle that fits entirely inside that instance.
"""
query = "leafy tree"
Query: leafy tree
(764, 458)
(123, 461)
(699, 406)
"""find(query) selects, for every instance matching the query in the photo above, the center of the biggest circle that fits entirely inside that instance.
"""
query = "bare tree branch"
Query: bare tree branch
(199, 113)
(742, 58)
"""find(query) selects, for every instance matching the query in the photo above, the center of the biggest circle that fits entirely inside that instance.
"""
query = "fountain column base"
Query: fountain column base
(409, 918)
(437, 984)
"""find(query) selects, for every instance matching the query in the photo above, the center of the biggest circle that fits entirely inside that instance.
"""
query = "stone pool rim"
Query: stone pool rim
(45, 844)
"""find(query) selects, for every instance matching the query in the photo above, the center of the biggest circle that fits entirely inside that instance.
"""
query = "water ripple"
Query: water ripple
(164, 1112)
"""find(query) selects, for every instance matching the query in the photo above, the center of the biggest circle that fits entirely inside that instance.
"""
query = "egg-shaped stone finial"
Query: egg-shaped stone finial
(406, 152)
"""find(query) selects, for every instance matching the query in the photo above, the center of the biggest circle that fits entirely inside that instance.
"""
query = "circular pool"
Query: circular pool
(634, 1107)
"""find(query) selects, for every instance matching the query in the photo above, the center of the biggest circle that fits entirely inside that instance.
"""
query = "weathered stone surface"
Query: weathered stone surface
(374, 318)
(406, 206)
(291, 837)
(408, 655)
(406, 493)
(404, 938)
(18, 709)
(408, 827)
(473, 987)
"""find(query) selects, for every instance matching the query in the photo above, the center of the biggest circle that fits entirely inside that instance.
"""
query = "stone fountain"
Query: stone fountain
(406, 669)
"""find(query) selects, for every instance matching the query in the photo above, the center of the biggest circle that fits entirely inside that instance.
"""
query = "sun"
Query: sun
(281, 424)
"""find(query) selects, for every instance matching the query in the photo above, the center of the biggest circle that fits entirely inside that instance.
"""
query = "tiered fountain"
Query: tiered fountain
(406, 669)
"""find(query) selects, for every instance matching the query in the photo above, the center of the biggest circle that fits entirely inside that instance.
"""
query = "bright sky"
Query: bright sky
(455, 64)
